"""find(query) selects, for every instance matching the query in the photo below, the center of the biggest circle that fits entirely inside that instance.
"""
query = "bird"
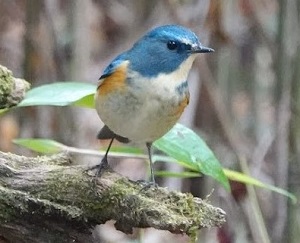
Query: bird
(144, 90)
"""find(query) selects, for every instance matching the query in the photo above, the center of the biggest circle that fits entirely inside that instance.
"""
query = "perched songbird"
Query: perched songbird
(143, 91)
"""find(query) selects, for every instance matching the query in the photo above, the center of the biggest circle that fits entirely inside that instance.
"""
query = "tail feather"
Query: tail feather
(106, 133)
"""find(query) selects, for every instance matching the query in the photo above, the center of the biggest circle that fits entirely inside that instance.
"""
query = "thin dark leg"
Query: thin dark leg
(149, 147)
(104, 163)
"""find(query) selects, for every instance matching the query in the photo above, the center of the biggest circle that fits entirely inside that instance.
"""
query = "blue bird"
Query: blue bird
(143, 91)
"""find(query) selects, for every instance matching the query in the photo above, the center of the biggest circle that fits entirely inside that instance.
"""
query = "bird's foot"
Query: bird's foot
(100, 168)
(147, 184)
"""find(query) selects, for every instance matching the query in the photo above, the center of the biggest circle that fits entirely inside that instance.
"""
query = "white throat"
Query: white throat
(169, 82)
(163, 85)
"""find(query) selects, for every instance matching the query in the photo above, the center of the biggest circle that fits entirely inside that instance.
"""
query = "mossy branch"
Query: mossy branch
(49, 197)
(12, 90)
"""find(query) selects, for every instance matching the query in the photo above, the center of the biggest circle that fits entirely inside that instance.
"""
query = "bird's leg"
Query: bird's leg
(104, 163)
(151, 183)
(149, 147)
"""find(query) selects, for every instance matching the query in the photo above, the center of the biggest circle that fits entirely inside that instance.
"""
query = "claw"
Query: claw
(101, 168)
(146, 185)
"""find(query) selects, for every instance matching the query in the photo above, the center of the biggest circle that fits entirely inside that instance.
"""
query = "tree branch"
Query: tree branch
(12, 90)
(48, 198)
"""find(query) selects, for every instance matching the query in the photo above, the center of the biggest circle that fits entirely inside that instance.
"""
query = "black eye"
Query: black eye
(172, 45)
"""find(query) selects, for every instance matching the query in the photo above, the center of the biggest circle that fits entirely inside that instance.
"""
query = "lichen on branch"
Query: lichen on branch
(51, 193)
(12, 90)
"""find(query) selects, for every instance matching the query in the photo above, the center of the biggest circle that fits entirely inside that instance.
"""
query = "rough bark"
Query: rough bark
(12, 90)
(47, 199)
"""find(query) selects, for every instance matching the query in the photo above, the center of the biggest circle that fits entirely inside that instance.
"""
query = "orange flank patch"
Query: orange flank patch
(181, 106)
(113, 82)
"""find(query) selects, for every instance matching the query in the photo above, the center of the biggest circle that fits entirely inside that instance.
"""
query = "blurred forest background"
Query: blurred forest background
(245, 97)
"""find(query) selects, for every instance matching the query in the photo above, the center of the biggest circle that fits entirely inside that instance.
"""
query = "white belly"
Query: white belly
(140, 118)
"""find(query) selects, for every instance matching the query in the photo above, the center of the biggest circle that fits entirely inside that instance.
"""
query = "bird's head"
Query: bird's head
(164, 49)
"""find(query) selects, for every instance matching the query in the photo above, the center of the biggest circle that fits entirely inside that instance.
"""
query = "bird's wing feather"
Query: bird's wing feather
(114, 77)
(112, 67)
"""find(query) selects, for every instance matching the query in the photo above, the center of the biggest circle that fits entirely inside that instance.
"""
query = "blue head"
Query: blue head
(163, 50)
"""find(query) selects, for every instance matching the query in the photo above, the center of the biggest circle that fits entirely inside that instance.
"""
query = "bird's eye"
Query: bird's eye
(172, 45)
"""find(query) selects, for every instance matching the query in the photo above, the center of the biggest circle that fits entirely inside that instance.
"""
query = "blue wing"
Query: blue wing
(109, 70)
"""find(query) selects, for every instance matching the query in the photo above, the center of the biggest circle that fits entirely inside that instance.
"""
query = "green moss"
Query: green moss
(193, 234)
(20, 201)
(6, 214)
(12, 90)
(61, 183)
(115, 195)
(12, 198)
(6, 84)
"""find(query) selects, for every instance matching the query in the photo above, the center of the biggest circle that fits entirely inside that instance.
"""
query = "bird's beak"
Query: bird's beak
(202, 49)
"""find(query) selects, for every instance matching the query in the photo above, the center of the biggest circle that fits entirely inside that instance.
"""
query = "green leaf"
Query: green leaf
(60, 94)
(186, 146)
(41, 145)
(240, 177)
(184, 174)
(168, 159)
(86, 101)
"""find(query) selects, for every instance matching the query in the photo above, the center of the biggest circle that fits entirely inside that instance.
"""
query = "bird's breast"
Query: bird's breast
(144, 109)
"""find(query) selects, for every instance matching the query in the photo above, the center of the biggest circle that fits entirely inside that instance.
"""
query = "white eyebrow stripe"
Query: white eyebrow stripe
(188, 42)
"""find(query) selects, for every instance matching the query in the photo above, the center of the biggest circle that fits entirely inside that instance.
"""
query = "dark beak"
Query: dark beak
(202, 49)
